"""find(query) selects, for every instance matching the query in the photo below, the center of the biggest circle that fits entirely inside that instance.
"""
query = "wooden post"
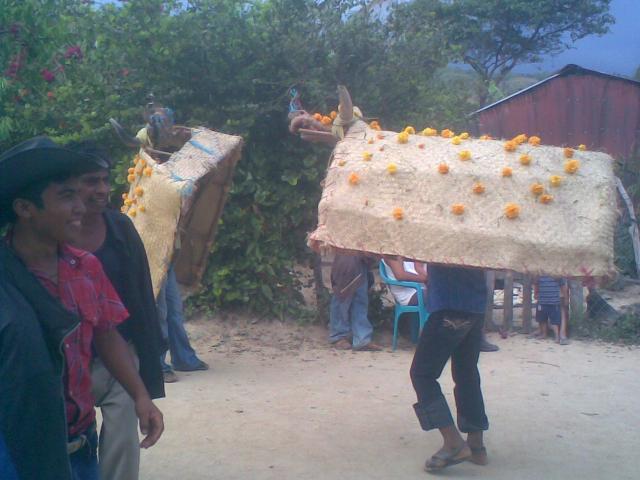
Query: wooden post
(526, 304)
(508, 301)
(490, 279)
(633, 228)
(576, 300)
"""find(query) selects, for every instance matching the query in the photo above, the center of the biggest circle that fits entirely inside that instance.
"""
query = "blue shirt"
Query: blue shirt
(456, 288)
(549, 290)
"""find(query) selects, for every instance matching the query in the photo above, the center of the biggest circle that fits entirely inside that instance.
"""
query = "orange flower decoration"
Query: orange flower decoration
(520, 139)
(571, 166)
(582, 147)
(125, 196)
(446, 133)
(410, 130)
(333, 114)
(457, 208)
(367, 156)
(546, 198)
(136, 159)
(568, 152)
(485, 137)
(537, 189)
(478, 188)
(132, 212)
(370, 141)
(392, 168)
(139, 191)
(443, 168)
(354, 179)
(131, 178)
(326, 120)
(555, 180)
(464, 155)
(147, 171)
(398, 214)
(429, 132)
(128, 202)
(375, 125)
(317, 116)
(510, 146)
(511, 210)
(143, 162)
(131, 170)
(534, 141)
(464, 135)
(403, 137)
(525, 159)
(507, 171)
(456, 140)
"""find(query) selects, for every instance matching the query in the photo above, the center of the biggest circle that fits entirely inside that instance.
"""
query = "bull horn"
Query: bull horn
(346, 105)
(124, 137)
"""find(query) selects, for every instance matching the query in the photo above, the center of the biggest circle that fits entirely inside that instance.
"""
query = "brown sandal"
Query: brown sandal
(443, 460)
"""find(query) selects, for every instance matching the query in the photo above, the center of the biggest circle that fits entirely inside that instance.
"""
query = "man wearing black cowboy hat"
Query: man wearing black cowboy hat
(59, 303)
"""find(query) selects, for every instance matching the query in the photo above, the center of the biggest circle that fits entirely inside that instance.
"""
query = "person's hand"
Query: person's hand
(151, 422)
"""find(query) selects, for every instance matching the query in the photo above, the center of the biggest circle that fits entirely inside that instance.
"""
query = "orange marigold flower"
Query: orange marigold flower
(375, 126)
(123, 209)
(582, 147)
(511, 210)
(546, 198)
(520, 139)
(125, 196)
(333, 114)
(485, 137)
(354, 179)
(317, 116)
(457, 208)
(370, 141)
(131, 170)
(429, 132)
(555, 180)
(131, 178)
(571, 166)
(568, 152)
(464, 135)
(443, 168)
(392, 168)
(525, 159)
(446, 133)
(132, 212)
(366, 156)
(403, 137)
(410, 130)
(139, 191)
(136, 159)
(128, 202)
(142, 208)
(507, 171)
(142, 162)
(510, 146)
(464, 155)
(326, 120)
(478, 188)
(398, 214)
(537, 189)
(533, 140)
(456, 140)
(147, 171)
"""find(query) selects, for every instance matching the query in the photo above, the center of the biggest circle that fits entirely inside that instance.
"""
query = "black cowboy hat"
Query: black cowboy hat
(36, 160)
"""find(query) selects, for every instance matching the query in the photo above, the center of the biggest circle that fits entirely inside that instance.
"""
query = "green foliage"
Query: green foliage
(626, 329)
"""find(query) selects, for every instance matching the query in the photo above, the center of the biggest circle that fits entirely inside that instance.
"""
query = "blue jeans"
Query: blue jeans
(349, 316)
(84, 462)
(7, 470)
(171, 317)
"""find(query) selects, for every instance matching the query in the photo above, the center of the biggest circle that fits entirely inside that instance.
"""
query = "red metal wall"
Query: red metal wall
(600, 111)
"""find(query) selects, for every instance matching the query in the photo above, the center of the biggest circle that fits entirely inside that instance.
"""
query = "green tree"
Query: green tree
(493, 36)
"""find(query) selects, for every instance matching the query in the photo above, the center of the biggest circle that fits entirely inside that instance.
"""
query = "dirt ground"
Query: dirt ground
(278, 403)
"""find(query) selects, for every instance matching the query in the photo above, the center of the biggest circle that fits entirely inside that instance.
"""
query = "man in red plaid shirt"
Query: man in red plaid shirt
(46, 213)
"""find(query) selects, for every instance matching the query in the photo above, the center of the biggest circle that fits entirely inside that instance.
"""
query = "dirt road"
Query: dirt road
(279, 404)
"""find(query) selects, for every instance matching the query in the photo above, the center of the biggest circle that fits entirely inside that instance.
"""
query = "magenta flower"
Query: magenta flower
(74, 51)
(47, 75)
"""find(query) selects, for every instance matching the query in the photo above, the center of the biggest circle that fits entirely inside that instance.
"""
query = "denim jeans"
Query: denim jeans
(171, 316)
(84, 462)
(455, 335)
(7, 470)
(349, 317)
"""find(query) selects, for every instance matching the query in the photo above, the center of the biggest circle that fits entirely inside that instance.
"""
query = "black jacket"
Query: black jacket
(33, 325)
(136, 293)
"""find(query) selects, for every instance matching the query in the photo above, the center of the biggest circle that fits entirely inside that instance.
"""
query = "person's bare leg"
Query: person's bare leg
(556, 332)
(476, 444)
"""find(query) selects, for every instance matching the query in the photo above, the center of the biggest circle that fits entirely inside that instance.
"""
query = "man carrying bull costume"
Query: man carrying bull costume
(75, 305)
(456, 300)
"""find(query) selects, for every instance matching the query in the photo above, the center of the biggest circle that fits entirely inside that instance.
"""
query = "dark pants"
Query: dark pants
(84, 462)
(455, 335)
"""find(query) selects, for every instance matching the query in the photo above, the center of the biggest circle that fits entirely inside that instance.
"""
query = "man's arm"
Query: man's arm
(114, 353)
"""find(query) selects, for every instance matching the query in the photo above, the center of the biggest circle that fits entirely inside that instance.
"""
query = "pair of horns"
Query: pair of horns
(345, 107)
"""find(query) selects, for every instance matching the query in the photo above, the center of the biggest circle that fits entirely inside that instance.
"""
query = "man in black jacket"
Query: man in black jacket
(111, 237)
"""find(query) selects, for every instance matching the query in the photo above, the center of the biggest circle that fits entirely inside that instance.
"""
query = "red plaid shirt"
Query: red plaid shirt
(84, 289)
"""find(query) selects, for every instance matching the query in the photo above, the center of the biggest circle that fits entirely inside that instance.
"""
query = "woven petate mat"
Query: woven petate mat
(431, 200)
(176, 205)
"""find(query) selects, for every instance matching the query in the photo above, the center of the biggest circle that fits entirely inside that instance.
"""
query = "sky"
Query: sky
(617, 52)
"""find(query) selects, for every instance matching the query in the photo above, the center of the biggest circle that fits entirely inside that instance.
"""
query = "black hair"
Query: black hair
(91, 149)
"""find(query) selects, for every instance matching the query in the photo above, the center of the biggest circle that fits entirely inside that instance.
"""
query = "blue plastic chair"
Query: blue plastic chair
(420, 309)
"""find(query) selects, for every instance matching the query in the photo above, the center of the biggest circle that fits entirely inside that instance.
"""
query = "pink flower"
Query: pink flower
(47, 75)
(125, 72)
(74, 51)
